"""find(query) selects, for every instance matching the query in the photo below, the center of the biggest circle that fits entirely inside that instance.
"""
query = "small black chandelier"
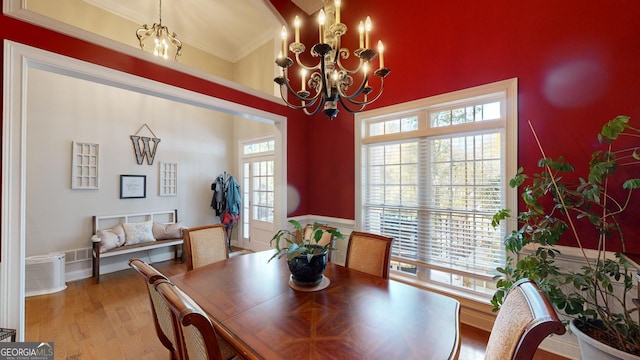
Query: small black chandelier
(329, 81)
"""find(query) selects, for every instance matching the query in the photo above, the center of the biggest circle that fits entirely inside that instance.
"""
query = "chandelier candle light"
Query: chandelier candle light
(330, 80)
(161, 34)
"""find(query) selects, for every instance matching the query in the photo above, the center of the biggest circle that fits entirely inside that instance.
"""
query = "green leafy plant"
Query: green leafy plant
(294, 243)
(557, 205)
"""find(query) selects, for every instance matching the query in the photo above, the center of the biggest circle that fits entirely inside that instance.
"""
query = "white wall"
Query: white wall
(63, 109)
(258, 69)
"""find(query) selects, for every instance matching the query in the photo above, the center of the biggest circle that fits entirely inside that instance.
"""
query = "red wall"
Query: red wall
(576, 61)
(577, 64)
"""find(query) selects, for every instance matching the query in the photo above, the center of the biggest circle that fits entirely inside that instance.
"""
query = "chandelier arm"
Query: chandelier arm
(343, 94)
(366, 102)
(143, 33)
(291, 105)
(315, 111)
(302, 65)
(175, 41)
(348, 71)
(291, 91)
(310, 100)
(304, 107)
(353, 111)
(316, 82)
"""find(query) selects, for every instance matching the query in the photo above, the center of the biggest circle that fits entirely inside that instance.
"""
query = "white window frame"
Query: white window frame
(506, 89)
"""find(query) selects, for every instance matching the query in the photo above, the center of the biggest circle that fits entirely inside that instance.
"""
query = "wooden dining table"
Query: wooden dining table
(357, 316)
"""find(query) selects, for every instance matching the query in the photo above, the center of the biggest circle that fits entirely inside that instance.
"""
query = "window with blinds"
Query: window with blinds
(433, 181)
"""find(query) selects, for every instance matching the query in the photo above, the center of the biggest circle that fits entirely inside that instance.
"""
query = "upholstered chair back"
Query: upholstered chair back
(326, 238)
(197, 334)
(204, 245)
(525, 318)
(369, 253)
(162, 318)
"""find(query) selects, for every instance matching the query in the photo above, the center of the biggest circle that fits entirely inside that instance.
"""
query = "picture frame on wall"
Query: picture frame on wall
(133, 186)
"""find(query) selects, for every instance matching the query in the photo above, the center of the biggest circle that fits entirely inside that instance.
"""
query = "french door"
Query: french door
(258, 194)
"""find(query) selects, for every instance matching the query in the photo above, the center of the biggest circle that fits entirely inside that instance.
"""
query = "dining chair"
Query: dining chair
(204, 245)
(525, 318)
(162, 317)
(369, 253)
(196, 332)
(326, 238)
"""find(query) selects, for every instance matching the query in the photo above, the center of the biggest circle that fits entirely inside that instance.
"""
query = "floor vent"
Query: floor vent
(45, 274)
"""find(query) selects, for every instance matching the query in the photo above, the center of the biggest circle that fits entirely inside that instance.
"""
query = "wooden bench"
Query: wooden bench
(106, 222)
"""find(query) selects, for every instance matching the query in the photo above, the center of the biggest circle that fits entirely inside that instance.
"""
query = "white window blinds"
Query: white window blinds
(434, 187)
(436, 198)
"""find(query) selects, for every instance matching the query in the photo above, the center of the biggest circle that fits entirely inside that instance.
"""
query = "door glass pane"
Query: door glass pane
(263, 191)
(245, 200)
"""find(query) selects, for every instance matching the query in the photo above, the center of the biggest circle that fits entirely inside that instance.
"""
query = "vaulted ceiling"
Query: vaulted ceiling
(229, 29)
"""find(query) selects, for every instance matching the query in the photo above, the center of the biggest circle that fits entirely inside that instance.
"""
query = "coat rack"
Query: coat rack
(226, 202)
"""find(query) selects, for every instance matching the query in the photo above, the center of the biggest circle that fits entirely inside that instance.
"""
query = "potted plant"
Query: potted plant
(557, 204)
(306, 251)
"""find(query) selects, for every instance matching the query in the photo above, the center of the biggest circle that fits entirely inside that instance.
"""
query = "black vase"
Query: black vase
(305, 272)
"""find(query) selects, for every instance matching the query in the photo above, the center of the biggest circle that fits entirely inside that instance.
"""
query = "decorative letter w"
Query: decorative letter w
(146, 151)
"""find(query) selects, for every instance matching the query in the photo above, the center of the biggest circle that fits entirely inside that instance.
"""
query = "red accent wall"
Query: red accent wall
(576, 61)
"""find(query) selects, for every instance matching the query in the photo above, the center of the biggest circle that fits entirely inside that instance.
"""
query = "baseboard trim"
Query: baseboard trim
(338, 222)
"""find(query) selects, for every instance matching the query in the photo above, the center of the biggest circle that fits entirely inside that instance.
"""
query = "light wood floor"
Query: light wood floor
(113, 320)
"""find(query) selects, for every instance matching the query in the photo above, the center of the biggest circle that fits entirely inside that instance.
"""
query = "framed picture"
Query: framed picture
(133, 186)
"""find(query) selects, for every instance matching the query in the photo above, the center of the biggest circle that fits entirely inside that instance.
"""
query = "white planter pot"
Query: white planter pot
(594, 349)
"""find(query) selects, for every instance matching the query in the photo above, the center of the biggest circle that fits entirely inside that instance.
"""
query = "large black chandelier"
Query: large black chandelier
(329, 81)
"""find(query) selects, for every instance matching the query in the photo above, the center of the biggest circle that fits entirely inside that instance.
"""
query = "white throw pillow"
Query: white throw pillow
(136, 233)
(111, 238)
(167, 231)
